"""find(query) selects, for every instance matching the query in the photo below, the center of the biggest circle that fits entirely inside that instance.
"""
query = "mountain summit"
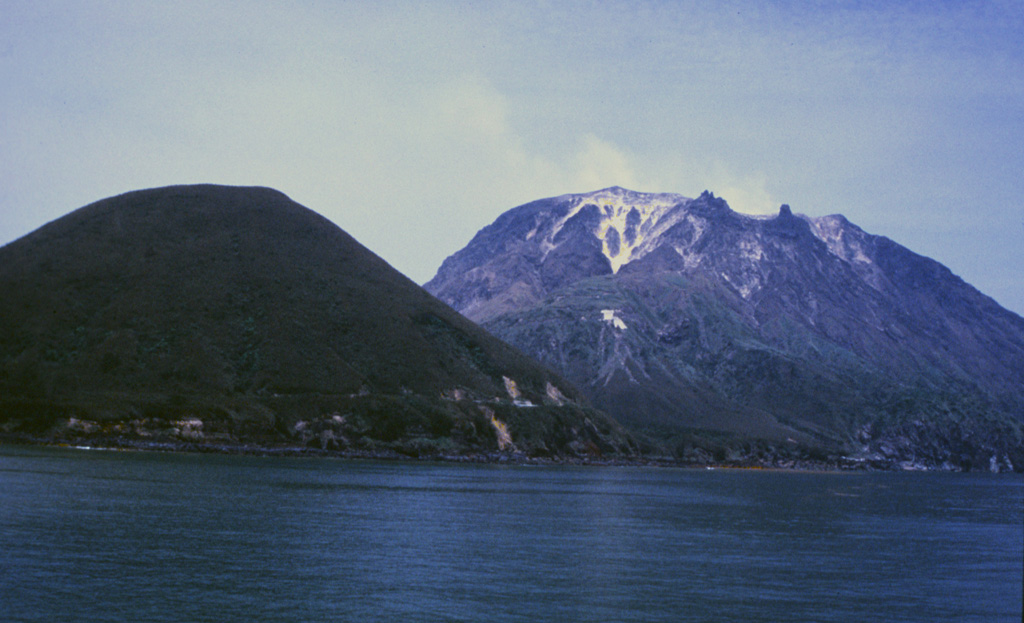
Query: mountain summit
(223, 316)
(716, 332)
(546, 244)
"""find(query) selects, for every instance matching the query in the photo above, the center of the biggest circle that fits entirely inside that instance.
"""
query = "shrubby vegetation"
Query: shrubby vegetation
(214, 315)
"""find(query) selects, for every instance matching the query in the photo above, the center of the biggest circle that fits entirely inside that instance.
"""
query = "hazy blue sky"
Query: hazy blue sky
(413, 124)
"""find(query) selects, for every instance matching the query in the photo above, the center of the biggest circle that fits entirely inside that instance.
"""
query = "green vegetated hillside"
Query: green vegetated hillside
(224, 316)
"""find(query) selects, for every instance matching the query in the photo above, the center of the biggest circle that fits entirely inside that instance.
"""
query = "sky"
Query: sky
(412, 125)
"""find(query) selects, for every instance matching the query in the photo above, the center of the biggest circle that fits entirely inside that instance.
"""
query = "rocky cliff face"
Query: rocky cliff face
(713, 331)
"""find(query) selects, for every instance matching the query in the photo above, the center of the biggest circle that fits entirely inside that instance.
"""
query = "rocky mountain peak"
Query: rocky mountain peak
(621, 219)
(681, 314)
(541, 246)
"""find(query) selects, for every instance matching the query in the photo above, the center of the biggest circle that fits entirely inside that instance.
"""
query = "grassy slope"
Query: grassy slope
(256, 315)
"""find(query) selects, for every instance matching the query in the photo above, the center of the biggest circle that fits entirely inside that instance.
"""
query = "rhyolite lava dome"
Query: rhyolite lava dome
(714, 332)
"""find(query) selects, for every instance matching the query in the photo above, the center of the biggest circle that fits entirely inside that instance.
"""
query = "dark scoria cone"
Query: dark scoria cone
(225, 316)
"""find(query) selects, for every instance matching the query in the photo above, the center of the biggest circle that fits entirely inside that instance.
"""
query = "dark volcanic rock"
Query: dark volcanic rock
(715, 330)
(233, 316)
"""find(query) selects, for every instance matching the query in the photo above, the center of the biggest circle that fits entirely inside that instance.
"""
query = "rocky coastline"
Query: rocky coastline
(837, 463)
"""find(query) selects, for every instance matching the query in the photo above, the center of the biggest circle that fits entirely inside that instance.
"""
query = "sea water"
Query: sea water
(134, 536)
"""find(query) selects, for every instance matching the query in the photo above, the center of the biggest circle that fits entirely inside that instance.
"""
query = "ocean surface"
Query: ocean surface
(133, 536)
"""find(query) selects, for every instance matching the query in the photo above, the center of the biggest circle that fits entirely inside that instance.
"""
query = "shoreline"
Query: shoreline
(837, 465)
